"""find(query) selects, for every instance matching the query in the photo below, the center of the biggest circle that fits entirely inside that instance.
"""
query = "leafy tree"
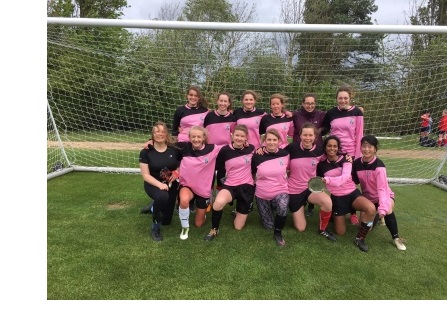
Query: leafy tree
(69, 47)
(196, 49)
(111, 9)
(337, 55)
(217, 46)
(60, 8)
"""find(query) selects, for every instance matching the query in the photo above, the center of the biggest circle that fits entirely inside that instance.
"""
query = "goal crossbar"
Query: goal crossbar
(247, 27)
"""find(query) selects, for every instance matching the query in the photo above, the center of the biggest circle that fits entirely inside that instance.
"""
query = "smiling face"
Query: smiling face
(197, 138)
(193, 98)
(309, 104)
(331, 149)
(223, 102)
(249, 102)
(159, 134)
(307, 137)
(271, 142)
(239, 138)
(343, 100)
(276, 106)
(368, 151)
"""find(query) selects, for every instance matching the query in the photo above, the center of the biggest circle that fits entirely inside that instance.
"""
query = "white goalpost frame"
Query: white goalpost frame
(252, 27)
(62, 170)
(241, 27)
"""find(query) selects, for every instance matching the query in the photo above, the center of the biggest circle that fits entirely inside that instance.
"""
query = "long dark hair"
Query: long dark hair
(202, 102)
(370, 139)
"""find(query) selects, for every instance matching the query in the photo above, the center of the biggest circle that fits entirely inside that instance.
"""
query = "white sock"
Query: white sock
(183, 214)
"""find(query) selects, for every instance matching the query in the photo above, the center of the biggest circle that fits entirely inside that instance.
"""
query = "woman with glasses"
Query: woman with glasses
(308, 114)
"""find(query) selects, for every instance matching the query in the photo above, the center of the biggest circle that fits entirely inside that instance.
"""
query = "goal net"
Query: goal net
(107, 86)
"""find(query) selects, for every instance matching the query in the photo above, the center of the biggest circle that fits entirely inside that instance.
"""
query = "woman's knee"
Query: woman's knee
(300, 226)
(340, 225)
(340, 231)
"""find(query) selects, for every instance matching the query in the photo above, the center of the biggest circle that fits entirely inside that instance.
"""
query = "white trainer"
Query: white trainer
(184, 233)
(399, 243)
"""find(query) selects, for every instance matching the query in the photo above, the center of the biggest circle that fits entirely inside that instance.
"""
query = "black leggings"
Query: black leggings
(164, 202)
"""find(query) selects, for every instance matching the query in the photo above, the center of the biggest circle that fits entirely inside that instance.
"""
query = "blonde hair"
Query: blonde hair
(203, 130)
(169, 139)
(281, 98)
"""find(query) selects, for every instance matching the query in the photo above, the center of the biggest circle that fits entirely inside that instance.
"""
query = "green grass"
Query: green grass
(98, 248)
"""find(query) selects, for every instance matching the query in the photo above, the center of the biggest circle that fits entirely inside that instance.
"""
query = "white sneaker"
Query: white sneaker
(399, 243)
(184, 233)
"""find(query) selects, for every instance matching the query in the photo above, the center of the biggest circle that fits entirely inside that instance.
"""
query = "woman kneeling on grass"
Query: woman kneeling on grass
(196, 175)
(272, 192)
(336, 173)
(238, 185)
(304, 157)
(162, 188)
(370, 172)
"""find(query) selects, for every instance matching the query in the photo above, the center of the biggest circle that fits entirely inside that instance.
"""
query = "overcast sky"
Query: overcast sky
(390, 12)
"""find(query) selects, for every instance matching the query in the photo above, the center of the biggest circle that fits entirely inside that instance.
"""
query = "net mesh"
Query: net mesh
(108, 86)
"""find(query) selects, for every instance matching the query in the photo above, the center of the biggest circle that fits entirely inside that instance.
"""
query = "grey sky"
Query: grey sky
(389, 12)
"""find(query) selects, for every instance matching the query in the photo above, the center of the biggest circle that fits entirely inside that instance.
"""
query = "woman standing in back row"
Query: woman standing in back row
(277, 119)
(220, 125)
(250, 116)
(346, 122)
(191, 114)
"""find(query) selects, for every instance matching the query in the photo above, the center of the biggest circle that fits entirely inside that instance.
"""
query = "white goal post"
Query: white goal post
(109, 81)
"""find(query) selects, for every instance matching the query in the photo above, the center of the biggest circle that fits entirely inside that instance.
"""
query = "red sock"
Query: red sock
(324, 219)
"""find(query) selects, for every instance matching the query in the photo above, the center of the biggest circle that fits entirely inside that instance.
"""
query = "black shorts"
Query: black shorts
(442, 132)
(341, 205)
(201, 202)
(296, 201)
(244, 194)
